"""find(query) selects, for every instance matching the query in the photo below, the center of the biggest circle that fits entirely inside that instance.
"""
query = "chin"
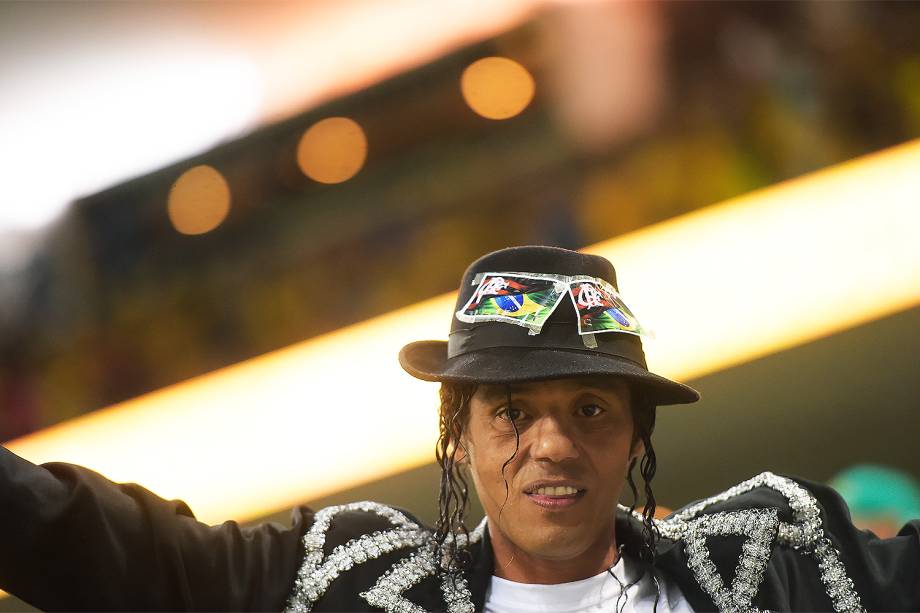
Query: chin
(552, 542)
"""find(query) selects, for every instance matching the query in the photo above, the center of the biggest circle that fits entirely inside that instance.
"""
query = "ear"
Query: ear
(462, 456)
(638, 449)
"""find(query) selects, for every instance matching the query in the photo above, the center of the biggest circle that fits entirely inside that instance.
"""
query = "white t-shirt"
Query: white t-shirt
(595, 594)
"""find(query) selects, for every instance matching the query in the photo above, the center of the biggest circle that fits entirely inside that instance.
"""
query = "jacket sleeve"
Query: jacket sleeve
(885, 572)
(72, 540)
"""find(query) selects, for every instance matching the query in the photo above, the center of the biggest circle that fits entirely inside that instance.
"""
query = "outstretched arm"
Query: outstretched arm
(72, 540)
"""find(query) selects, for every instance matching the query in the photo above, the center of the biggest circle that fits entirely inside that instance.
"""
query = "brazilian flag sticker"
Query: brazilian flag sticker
(600, 308)
(524, 300)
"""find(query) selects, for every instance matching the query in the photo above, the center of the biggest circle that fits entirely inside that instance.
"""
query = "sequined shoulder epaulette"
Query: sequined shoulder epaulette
(762, 528)
(319, 570)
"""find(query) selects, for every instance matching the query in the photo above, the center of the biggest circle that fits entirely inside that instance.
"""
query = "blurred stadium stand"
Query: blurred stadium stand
(117, 303)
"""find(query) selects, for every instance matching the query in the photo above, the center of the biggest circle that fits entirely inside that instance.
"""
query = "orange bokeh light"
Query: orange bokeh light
(199, 200)
(332, 150)
(497, 87)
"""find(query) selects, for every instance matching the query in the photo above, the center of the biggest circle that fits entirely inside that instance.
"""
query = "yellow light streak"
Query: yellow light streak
(778, 267)
(721, 286)
(294, 424)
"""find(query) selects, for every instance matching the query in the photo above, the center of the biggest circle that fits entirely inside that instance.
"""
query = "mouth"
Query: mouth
(554, 495)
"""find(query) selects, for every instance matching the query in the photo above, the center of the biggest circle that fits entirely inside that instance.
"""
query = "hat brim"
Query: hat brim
(427, 360)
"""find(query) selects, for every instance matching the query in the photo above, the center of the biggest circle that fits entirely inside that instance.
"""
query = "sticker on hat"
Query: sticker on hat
(600, 308)
(518, 298)
(528, 299)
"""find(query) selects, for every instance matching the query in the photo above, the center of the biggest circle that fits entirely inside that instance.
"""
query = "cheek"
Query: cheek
(486, 470)
(611, 458)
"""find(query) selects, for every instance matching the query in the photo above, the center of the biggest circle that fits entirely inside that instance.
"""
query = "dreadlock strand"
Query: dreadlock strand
(453, 494)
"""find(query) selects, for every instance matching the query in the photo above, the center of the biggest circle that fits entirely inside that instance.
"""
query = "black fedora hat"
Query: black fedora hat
(532, 313)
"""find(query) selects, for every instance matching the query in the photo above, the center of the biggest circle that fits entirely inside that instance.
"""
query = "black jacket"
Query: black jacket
(73, 540)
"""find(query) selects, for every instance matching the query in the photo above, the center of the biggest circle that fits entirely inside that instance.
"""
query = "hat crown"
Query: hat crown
(535, 259)
(541, 259)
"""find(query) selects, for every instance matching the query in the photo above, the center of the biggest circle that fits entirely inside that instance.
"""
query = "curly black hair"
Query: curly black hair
(454, 492)
(453, 496)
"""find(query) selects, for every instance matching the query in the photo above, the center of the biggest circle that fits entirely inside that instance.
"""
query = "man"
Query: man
(548, 407)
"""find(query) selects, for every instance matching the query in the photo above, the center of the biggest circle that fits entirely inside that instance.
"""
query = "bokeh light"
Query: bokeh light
(332, 150)
(497, 87)
(199, 200)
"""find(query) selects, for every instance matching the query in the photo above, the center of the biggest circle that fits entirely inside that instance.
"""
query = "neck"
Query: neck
(515, 564)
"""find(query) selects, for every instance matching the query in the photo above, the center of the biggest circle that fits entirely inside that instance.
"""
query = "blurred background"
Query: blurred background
(187, 186)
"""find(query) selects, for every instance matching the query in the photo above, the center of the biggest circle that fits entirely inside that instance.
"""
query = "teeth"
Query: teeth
(562, 490)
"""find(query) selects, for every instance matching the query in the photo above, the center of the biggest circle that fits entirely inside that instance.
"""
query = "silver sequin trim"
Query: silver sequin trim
(806, 534)
(318, 571)
(759, 526)
(388, 592)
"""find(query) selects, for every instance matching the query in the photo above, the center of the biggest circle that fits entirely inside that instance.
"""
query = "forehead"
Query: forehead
(606, 385)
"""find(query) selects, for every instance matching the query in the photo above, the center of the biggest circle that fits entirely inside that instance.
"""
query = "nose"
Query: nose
(552, 442)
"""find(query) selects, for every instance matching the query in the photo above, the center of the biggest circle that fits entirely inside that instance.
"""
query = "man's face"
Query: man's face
(569, 468)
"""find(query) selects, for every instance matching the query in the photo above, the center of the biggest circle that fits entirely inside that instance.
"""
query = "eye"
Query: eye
(590, 410)
(511, 414)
